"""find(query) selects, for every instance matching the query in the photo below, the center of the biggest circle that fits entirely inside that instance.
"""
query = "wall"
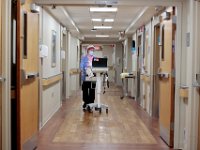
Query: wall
(73, 63)
(108, 51)
(129, 64)
(98, 53)
(51, 95)
(148, 49)
(118, 64)
(134, 68)
(6, 52)
(49, 24)
(64, 43)
(191, 51)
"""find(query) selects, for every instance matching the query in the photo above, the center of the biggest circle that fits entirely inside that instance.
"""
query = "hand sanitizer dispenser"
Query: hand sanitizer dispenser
(43, 51)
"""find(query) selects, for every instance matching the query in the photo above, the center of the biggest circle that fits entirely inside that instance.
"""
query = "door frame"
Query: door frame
(6, 89)
(197, 69)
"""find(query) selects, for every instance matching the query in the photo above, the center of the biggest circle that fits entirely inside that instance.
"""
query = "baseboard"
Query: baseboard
(50, 116)
(32, 143)
(164, 134)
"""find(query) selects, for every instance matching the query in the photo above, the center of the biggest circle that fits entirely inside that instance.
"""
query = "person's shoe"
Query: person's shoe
(84, 107)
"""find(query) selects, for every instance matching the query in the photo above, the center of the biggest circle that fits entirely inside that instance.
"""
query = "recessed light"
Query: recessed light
(97, 20)
(108, 20)
(102, 27)
(103, 9)
(102, 36)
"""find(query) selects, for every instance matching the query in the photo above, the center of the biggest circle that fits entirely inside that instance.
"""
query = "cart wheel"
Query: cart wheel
(89, 109)
(100, 110)
(106, 110)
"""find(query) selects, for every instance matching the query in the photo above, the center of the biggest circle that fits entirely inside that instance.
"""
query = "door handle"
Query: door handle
(163, 75)
(2, 79)
(31, 75)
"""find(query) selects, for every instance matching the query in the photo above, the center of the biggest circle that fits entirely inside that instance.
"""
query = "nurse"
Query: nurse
(88, 87)
(86, 61)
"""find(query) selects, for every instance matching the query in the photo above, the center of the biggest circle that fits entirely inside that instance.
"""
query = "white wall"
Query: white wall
(134, 68)
(118, 64)
(51, 95)
(191, 18)
(128, 62)
(149, 46)
(108, 51)
(148, 49)
(49, 24)
(51, 101)
(98, 53)
(73, 63)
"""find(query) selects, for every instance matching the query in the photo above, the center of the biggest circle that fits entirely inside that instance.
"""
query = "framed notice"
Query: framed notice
(53, 49)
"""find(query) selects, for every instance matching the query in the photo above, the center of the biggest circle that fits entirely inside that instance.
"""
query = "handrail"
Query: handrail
(74, 71)
(51, 80)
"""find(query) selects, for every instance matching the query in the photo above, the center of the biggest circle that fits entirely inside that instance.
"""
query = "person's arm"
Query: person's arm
(82, 63)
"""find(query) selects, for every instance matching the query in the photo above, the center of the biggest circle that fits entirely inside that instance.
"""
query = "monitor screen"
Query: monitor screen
(99, 62)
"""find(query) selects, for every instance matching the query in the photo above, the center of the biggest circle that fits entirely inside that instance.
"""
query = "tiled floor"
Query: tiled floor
(126, 126)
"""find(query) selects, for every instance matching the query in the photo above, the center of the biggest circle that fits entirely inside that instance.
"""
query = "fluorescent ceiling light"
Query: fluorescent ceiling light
(97, 20)
(102, 35)
(108, 20)
(102, 9)
(102, 27)
(100, 20)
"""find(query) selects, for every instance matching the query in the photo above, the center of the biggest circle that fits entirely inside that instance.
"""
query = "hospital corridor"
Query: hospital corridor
(99, 75)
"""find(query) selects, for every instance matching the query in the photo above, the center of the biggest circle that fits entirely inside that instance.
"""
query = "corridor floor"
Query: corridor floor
(125, 127)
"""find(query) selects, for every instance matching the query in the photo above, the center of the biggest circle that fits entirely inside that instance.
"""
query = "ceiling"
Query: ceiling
(76, 16)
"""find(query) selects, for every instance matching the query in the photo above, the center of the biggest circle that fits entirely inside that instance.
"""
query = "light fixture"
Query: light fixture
(93, 29)
(100, 20)
(106, 2)
(102, 27)
(96, 20)
(102, 36)
(103, 9)
(108, 20)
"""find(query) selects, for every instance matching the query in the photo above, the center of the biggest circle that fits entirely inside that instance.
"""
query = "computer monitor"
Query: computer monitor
(99, 63)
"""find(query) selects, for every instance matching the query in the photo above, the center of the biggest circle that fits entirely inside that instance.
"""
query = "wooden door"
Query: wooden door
(29, 93)
(166, 82)
(0, 76)
(155, 109)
